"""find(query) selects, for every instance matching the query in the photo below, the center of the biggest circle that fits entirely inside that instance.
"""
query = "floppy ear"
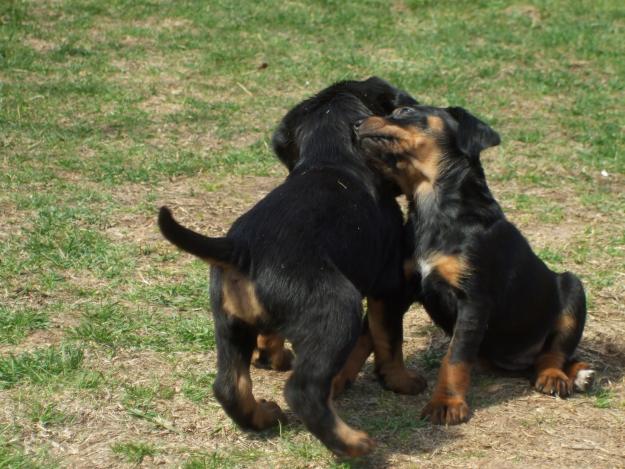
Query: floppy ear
(284, 146)
(403, 99)
(472, 135)
(380, 96)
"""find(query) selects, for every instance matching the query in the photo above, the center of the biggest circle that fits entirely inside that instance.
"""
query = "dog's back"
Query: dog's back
(299, 263)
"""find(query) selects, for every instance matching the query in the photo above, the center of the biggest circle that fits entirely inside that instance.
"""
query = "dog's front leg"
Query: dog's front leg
(448, 405)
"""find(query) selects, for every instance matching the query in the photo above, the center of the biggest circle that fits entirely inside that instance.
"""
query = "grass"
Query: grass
(46, 414)
(133, 452)
(111, 109)
(17, 324)
(41, 366)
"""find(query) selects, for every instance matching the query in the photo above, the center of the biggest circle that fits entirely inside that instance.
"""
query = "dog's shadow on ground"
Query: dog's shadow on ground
(394, 422)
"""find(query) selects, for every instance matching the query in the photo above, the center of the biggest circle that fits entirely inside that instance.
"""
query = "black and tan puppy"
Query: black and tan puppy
(481, 282)
(300, 261)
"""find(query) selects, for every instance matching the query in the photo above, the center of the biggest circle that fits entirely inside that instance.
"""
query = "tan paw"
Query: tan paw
(361, 446)
(267, 414)
(405, 381)
(448, 411)
(354, 443)
(554, 382)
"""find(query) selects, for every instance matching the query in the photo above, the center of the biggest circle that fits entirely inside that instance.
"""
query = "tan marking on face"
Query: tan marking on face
(418, 153)
(451, 267)
(239, 297)
(436, 123)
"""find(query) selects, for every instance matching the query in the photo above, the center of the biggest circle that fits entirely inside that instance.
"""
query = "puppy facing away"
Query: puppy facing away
(481, 282)
(298, 264)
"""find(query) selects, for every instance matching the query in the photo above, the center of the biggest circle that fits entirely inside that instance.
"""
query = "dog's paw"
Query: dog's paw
(449, 411)
(405, 381)
(554, 382)
(353, 443)
(267, 414)
(584, 380)
(361, 446)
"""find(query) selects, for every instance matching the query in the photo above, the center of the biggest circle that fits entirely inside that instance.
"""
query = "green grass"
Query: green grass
(114, 325)
(110, 109)
(17, 324)
(133, 452)
(13, 457)
(46, 414)
(604, 398)
(198, 387)
(40, 366)
(221, 461)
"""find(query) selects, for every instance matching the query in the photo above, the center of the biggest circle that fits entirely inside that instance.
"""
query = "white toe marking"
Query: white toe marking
(584, 379)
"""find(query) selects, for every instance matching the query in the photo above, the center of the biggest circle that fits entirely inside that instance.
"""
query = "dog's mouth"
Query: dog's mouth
(377, 138)
(373, 134)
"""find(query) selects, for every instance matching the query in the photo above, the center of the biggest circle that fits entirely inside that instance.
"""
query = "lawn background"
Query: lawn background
(110, 109)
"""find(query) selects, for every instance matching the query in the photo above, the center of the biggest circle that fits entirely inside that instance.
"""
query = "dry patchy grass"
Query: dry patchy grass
(109, 110)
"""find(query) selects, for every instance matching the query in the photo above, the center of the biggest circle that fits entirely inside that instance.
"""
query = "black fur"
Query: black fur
(508, 306)
(330, 234)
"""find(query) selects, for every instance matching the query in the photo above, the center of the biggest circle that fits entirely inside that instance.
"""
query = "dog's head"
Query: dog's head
(415, 144)
(337, 107)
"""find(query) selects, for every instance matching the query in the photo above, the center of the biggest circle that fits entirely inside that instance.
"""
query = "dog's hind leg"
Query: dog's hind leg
(321, 351)
(386, 325)
(233, 386)
(355, 361)
(556, 372)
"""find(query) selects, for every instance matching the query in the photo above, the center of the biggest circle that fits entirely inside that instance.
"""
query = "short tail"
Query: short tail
(573, 304)
(573, 301)
(223, 252)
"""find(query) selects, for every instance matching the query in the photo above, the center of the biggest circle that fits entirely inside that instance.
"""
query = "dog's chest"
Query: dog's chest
(425, 267)
(452, 268)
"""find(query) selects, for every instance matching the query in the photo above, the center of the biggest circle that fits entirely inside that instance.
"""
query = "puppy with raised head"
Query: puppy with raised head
(298, 264)
(481, 282)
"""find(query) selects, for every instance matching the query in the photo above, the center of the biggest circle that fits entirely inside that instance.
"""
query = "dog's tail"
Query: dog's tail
(223, 252)
(571, 327)
(573, 310)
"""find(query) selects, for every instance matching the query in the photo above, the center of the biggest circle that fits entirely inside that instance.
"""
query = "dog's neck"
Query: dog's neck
(458, 205)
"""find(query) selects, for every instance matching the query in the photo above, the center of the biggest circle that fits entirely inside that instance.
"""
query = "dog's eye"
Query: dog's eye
(403, 111)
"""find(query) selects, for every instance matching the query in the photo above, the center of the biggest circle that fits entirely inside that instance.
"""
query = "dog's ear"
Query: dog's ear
(472, 135)
(284, 145)
(403, 99)
(386, 96)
